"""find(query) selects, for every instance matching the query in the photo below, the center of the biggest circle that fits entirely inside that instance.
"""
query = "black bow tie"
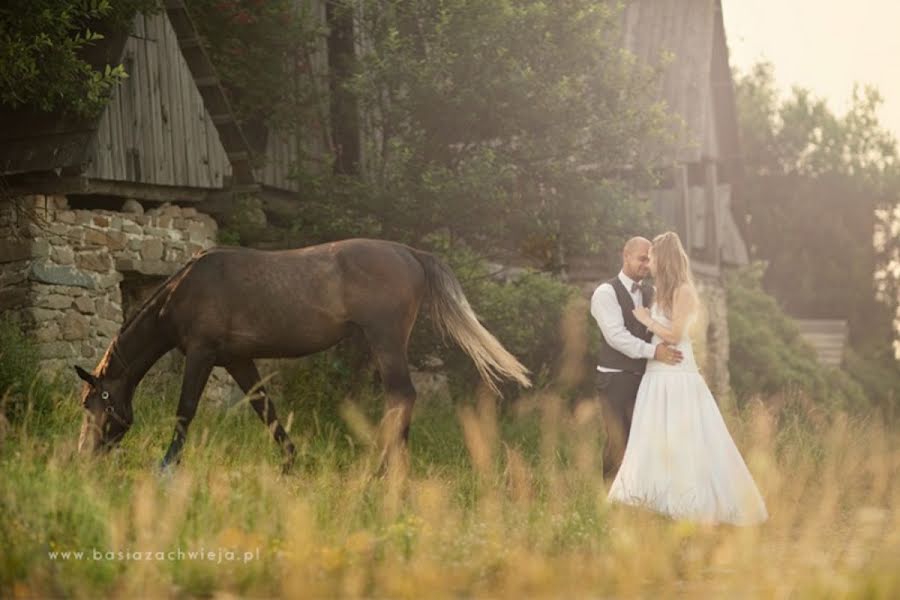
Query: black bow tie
(635, 287)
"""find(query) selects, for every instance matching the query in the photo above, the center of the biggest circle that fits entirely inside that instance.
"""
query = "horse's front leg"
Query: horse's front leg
(197, 368)
(247, 377)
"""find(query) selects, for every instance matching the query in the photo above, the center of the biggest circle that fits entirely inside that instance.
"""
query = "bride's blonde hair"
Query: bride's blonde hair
(673, 269)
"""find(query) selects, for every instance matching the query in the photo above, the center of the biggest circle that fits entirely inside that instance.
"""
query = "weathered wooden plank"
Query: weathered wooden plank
(177, 106)
(162, 122)
(115, 127)
(189, 141)
(154, 159)
(156, 66)
(127, 112)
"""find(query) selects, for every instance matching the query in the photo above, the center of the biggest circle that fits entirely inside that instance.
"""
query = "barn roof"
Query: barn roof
(687, 39)
(35, 141)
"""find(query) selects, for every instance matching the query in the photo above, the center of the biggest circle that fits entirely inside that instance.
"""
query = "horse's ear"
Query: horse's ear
(85, 375)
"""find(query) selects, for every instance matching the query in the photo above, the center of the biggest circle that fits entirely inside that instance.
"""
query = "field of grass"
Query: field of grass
(506, 503)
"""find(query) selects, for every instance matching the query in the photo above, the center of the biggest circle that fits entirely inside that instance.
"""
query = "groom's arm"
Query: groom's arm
(608, 314)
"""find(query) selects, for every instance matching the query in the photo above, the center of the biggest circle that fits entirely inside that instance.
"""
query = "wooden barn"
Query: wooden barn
(695, 198)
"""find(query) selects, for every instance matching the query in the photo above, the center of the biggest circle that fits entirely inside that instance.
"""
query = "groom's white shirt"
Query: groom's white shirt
(606, 310)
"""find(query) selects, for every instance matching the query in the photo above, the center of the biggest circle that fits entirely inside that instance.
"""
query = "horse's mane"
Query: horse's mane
(164, 286)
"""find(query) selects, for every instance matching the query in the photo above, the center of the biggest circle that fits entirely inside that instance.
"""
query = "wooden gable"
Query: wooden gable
(155, 128)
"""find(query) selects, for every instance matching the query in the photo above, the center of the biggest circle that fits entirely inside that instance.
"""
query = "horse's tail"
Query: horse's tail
(453, 315)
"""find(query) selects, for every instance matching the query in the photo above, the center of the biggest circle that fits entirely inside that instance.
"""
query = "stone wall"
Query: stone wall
(710, 336)
(61, 270)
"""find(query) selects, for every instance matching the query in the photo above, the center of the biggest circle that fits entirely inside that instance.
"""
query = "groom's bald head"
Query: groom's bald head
(636, 258)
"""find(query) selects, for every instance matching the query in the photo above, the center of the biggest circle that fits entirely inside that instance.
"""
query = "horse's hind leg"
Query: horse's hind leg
(389, 350)
(247, 377)
(198, 365)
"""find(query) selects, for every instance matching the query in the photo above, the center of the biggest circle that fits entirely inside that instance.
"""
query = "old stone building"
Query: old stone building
(96, 213)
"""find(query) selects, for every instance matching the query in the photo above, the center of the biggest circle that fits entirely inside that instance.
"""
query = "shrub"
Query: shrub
(20, 378)
(524, 314)
(767, 354)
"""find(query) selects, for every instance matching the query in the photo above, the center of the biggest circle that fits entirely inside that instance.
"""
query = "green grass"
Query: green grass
(506, 503)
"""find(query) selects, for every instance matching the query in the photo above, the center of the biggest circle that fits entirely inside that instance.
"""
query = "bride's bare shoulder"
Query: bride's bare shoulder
(686, 292)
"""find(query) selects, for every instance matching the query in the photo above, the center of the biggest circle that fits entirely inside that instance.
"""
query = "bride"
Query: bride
(680, 459)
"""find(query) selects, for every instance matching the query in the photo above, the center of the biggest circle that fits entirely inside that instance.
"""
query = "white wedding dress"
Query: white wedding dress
(680, 459)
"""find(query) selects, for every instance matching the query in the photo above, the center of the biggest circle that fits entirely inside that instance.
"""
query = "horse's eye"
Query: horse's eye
(104, 395)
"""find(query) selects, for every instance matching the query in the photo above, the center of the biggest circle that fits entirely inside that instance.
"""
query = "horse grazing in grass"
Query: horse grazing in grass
(229, 306)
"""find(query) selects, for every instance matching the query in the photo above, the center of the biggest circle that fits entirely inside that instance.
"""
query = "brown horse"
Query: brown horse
(229, 306)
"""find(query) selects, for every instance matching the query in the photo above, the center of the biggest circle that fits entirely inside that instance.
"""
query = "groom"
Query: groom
(627, 347)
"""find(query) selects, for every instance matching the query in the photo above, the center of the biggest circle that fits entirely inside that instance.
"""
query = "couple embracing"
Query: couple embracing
(667, 444)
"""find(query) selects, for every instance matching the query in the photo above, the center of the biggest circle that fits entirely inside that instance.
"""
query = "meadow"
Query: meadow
(499, 500)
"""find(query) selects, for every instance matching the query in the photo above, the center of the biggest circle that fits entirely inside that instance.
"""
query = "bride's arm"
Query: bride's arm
(685, 303)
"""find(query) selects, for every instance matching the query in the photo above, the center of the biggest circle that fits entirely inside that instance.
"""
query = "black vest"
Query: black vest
(609, 356)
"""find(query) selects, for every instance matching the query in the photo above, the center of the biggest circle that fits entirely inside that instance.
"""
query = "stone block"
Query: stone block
(57, 350)
(155, 267)
(133, 207)
(66, 216)
(105, 328)
(43, 314)
(60, 275)
(46, 332)
(116, 240)
(107, 280)
(108, 310)
(40, 248)
(53, 301)
(131, 228)
(96, 237)
(85, 305)
(101, 221)
(74, 326)
(98, 261)
(62, 255)
(151, 249)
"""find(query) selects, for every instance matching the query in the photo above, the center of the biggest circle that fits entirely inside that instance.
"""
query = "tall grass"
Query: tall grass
(497, 502)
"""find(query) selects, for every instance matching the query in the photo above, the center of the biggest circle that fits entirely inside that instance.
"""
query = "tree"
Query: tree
(520, 126)
(42, 52)
(816, 186)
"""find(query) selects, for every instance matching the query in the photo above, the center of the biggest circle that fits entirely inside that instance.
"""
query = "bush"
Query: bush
(524, 314)
(20, 378)
(767, 354)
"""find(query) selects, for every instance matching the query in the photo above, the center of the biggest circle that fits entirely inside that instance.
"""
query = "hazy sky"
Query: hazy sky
(822, 45)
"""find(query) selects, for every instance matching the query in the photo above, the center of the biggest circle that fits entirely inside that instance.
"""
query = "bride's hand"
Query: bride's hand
(642, 314)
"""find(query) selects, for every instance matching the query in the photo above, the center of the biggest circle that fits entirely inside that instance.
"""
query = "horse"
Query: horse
(229, 306)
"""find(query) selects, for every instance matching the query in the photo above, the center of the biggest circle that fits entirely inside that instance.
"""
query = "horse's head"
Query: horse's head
(108, 415)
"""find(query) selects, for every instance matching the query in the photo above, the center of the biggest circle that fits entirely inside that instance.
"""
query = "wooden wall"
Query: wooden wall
(285, 149)
(156, 130)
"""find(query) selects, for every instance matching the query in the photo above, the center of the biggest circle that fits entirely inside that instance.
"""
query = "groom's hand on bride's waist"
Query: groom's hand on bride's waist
(668, 354)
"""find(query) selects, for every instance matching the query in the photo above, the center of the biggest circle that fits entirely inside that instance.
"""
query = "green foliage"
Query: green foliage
(519, 126)
(524, 314)
(878, 372)
(22, 388)
(514, 125)
(767, 356)
(42, 52)
(817, 186)
(265, 53)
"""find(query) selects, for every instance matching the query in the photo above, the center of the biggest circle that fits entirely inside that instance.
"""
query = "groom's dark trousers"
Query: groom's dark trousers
(618, 389)
(617, 394)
